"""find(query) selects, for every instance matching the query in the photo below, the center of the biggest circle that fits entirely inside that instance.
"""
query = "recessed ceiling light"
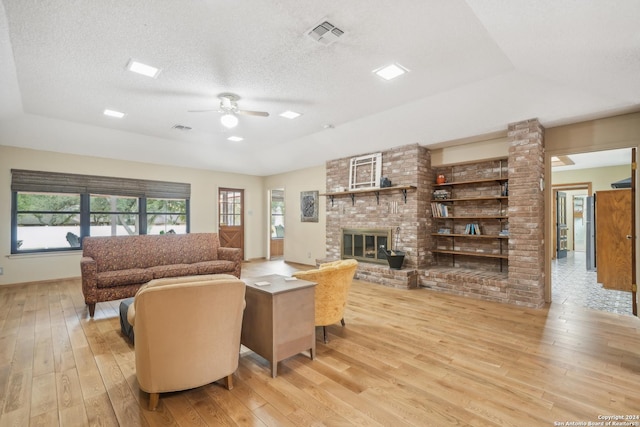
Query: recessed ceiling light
(235, 138)
(113, 113)
(144, 69)
(290, 114)
(392, 71)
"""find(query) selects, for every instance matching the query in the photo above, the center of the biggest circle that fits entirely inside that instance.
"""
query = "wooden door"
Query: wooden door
(231, 218)
(561, 224)
(614, 239)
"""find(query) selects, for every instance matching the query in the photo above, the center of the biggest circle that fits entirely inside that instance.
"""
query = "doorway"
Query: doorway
(231, 218)
(276, 223)
(572, 281)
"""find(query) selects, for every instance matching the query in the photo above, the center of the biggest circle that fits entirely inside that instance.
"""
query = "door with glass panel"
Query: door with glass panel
(231, 218)
(276, 245)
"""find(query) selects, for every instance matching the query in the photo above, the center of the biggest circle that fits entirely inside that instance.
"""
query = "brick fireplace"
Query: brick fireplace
(523, 281)
(389, 211)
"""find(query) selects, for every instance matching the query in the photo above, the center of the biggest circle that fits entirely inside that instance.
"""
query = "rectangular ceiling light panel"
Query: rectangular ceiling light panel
(144, 69)
(113, 113)
(390, 71)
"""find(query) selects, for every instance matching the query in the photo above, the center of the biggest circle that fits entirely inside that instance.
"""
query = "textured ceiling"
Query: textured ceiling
(475, 66)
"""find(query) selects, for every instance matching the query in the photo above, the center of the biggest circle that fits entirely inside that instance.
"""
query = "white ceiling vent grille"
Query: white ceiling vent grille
(325, 33)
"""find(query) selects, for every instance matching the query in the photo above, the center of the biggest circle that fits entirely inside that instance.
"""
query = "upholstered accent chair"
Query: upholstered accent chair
(333, 283)
(187, 332)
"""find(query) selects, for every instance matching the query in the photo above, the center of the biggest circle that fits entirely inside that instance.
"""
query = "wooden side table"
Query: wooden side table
(279, 319)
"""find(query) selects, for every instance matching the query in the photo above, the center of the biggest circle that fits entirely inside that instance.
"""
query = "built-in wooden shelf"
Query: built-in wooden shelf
(472, 236)
(475, 254)
(473, 217)
(471, 199)
(477, 181)
(376, 191)
(462, 200)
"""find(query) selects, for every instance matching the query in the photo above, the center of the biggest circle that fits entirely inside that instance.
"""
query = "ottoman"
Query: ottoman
(125, 326)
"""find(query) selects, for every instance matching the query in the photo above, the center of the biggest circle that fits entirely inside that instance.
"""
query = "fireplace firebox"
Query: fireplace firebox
(365, 244)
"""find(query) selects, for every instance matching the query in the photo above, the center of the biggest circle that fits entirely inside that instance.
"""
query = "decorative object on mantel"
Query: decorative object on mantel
(365, 171)
(395, 258)
(441, 179)
(309, 206)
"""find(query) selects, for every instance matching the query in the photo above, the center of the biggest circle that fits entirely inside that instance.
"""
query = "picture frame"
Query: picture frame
(309, 206)
(365, 171)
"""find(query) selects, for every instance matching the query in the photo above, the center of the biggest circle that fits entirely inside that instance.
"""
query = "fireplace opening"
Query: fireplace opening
(365, 244)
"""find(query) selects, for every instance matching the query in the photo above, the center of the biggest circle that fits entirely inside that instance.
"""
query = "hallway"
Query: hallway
(572, 284)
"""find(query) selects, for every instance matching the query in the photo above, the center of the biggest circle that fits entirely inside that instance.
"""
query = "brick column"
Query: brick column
(526, 214)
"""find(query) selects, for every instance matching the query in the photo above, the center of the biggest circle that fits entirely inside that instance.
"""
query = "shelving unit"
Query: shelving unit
(464, 206)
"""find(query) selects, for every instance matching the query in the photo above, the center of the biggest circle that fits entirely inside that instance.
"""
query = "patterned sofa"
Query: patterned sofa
(115, 267)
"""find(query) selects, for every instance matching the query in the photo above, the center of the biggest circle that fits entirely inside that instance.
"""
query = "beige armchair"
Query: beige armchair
(333, 283)
(187, 332)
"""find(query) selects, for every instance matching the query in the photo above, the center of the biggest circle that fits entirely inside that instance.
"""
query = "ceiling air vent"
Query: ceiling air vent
(325, 33)
(181, 127)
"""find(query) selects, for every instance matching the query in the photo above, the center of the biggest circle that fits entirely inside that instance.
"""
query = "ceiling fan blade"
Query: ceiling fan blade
(253, 113)
(203, 111)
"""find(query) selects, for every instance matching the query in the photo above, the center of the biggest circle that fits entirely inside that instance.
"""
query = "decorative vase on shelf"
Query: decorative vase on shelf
(441, 179)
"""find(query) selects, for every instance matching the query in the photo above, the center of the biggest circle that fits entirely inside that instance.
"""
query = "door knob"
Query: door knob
(629, 236)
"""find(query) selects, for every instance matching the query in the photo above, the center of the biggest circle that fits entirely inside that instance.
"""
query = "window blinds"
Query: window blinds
(55, 182)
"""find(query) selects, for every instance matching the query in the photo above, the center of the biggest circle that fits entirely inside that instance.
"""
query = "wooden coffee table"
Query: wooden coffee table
(279, 319)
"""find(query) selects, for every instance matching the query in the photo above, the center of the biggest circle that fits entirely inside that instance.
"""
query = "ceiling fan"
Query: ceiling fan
(229, 109)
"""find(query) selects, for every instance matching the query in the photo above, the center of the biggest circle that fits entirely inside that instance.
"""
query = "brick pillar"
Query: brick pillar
(526, 214)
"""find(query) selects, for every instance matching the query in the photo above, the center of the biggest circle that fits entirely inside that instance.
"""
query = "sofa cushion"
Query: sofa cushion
(214, 267)
(132, 276)
(173, 270)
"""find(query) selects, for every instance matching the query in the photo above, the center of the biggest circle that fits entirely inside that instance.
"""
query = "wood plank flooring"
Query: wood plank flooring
(405, 358)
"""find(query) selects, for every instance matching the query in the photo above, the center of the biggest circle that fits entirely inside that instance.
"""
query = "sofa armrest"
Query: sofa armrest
(230, 254)
(89, 273)
(234, 255)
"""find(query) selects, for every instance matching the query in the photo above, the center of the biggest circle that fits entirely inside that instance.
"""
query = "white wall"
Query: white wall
(204, 188)
(304, 242)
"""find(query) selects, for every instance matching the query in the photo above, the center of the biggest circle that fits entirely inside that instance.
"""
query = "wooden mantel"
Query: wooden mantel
(376, 191)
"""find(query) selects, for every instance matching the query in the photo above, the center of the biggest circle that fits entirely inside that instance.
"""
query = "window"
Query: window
(114, 216)
(277, 214)
(166, 216)
(53, 211)
(230, 207)
(47, 221)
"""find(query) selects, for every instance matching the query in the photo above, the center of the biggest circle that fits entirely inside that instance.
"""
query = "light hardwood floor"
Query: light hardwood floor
(405, 358)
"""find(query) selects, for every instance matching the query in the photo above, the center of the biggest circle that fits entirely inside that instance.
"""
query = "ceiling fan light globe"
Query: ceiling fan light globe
(229, 121)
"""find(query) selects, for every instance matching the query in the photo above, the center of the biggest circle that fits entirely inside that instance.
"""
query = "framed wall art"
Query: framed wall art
(309, 206)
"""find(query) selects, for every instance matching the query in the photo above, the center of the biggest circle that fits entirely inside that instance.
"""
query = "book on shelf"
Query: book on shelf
(439, 210)
(472, 229)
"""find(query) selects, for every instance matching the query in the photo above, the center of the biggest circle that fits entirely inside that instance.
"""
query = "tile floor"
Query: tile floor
(571, 283)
